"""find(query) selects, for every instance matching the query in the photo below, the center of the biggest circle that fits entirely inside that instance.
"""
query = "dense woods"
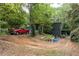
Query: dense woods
(40, 17)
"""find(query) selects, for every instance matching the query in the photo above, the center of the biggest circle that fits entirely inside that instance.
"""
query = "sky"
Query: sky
(56, 5)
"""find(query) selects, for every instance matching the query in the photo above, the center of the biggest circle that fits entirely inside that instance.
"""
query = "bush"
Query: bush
(47, 29)
(3, 31)
(48, 37)
(75, 35)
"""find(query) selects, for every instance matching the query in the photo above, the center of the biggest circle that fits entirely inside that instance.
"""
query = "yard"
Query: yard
(22, 45)
(26, 29)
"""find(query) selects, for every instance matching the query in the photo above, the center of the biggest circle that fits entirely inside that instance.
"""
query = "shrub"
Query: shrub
(75, 35)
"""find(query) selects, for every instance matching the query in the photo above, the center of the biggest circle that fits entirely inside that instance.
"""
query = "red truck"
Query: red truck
(19, 31)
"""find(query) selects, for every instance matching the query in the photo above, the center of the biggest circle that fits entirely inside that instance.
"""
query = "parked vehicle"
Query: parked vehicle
(18, 31)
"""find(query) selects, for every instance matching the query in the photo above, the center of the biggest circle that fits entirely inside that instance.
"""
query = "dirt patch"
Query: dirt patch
(24, 45)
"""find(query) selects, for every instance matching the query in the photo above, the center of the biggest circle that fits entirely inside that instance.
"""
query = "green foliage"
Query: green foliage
(41, 13)
(12, 14)
(47, 28)
(45, 15)
(75, 35)
(60, 13)
(4, 25)
(74, 16)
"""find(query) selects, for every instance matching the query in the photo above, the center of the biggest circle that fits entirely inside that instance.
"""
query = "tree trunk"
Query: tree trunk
(33, 30)
(31, 22)
(40, 29)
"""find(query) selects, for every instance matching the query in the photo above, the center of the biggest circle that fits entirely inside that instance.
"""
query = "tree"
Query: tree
(13, 14)
(74, 16)
(41, 14)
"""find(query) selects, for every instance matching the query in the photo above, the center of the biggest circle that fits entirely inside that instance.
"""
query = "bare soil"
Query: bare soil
(22, 45)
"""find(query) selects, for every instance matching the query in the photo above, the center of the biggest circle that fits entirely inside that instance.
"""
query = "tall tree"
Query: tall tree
(12, 14)
(61, 15)
(74, 16)
(41, 14)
